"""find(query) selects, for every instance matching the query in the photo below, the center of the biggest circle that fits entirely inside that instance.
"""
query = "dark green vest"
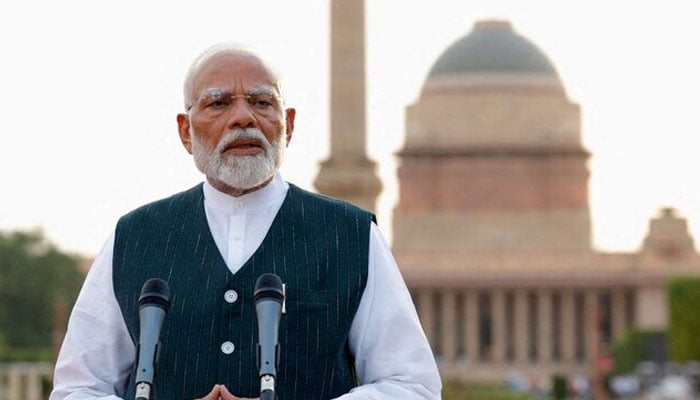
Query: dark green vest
(318, 246)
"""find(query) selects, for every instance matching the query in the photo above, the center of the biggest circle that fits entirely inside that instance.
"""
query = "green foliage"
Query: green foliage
(461, 391)
(560, 387)
(684, 330)
(34, 275)
(636, 346)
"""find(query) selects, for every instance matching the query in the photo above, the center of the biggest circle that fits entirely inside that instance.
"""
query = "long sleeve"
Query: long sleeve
(97, 353)
(392, 355)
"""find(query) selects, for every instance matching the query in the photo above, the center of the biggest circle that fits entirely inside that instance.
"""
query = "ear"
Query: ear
(183, 128)
(290, 113)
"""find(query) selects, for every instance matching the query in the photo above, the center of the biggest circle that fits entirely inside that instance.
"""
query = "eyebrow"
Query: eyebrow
(255, 90)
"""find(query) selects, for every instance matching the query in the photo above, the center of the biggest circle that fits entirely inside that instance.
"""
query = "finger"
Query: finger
(214, 394)
(226, 395)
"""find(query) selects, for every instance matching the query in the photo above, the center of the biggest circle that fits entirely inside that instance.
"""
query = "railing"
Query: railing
(25, 380)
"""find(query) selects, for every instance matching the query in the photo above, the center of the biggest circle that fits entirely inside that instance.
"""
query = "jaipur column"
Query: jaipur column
(348, 173)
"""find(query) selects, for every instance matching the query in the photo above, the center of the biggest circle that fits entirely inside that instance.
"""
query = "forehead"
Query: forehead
(235, 72)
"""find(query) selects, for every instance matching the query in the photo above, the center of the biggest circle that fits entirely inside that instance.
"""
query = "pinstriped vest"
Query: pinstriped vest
(318, 246)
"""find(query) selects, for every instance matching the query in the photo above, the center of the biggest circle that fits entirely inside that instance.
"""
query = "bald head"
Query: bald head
(210, 58)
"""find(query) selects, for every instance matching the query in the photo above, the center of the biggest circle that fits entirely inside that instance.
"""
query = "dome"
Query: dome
(493, 49)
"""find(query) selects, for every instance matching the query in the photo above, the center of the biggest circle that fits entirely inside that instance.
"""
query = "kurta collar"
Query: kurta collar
(270, 194)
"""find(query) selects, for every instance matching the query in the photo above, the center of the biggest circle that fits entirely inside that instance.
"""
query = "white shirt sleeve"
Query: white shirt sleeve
(97, 353)
(392, 355)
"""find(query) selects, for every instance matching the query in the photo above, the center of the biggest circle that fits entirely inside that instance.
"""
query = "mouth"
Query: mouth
(244, 148)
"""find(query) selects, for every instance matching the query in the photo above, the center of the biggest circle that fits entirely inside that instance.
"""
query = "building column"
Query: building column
(14, 384)
(618, 310)
(592, 325)
(425, 314)
(568, 333)
(348, 173)
(498, 323)
(471, 330)
(521, 332)
(651, 307)
(448, 333)
(544, 315)
(33, 387)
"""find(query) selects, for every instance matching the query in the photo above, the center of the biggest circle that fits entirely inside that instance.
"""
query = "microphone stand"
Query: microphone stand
(269, 297)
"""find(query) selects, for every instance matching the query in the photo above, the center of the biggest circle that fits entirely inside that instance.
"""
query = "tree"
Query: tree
(34, 276)
(637, 346)
(684, 331)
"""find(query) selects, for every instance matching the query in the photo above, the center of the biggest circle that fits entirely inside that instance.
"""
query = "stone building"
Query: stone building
(492, 228)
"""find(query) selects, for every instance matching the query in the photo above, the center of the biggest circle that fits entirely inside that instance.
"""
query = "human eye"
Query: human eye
(262, 101)
(215, 101)
(219, 102)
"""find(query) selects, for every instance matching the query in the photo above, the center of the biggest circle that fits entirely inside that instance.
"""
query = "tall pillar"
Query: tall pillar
(347, 173)
(521, 332)
(498, 318)
(14, 383)
(591, 324)
(651, 308)
(448, 333)
(617, 309)
(425, 313)
(568, 333)
(471, 319)
(544, 334)
(33, 388)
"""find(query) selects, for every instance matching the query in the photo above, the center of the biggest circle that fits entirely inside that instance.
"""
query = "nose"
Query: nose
(241, 116)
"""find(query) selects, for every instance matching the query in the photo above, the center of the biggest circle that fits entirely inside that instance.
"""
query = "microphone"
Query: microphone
(269, 295)
(153, 305)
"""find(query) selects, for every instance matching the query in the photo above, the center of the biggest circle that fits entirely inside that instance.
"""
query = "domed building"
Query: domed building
(492, 228)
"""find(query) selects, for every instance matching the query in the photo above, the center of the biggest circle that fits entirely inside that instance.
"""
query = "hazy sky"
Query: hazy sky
(90, 90)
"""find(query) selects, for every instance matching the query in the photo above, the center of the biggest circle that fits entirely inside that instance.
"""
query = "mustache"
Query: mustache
(242, 134)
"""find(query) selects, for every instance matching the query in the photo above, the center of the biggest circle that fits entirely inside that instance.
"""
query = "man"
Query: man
(350, 330)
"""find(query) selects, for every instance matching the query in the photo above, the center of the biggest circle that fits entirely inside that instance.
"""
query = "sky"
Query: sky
(90, 90)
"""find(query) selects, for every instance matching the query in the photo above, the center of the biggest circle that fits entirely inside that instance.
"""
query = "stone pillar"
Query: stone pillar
(521, 332)
(592, 325)
(471, 330)
(617, 310)
(14, 383)
(347, 173)
(568, 333)
(425, 313)
(448, 333)
(33, 384)
(498, 323)
(544, 315)
(651, 309)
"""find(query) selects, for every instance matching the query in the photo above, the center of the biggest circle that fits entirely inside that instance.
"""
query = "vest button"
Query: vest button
(231, 296)
(227, 347)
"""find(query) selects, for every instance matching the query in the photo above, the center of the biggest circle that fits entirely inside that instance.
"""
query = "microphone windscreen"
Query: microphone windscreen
(155, 292)
(268, 286)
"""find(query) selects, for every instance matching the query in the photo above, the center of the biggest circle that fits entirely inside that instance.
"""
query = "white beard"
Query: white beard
(239, 172)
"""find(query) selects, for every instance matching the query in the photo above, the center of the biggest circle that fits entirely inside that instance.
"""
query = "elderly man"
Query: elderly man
(350, 330)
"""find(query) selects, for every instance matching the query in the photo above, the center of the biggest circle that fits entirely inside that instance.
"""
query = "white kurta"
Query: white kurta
(392, 356)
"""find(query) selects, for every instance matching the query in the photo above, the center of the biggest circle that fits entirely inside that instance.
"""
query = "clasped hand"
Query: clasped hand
(220, 392)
